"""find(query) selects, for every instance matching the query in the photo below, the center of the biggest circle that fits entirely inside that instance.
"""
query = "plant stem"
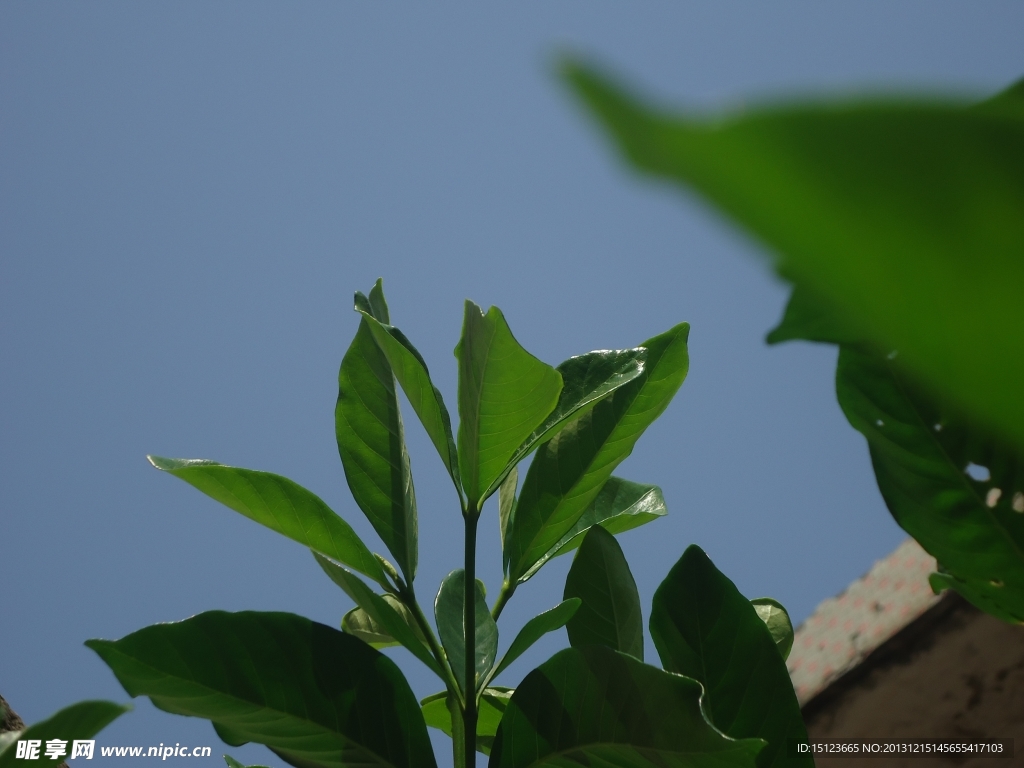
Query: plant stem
(469, 713)
(506, 592)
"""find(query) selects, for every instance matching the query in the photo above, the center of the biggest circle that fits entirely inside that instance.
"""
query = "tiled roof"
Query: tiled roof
(845, 629)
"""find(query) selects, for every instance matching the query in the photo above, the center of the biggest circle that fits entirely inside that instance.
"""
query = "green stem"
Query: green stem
(469, 712)
(503, 597)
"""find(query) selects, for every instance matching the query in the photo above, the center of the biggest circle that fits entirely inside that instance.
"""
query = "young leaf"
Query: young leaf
(921, 450)
(594, 706)
(371, 440)
(504, 394)
(281, 505)
(359, 623)
(569, 470)
(437, 713)
(906, 216)
(396, 624)
(300, 688)
(705, 629)
(610, 613)
(776, 618)
(79, 721)
(448, 612)
(620, 506)
(535, 629)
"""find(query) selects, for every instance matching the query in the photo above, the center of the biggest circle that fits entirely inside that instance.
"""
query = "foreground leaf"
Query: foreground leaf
(610, 614)
(315, 696)
(776, 618)
(371, 438)
(281, 505)
(505, 393)
(536, 628)
(904, 216)
(705, 629)
(596, 707)
(569, 470)
(437, 713)
(79, 721)
(448, 612)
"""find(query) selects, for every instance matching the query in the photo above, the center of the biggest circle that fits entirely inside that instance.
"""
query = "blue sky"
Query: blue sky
(190, 193)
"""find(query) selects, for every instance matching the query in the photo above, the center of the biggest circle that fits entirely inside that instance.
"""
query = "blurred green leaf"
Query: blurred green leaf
(80, 721)
(536, 628)
(620, 506)
(281, 505)
(903, 215)
(610, 614)
(448, 613)
(505, 393)
(776, 618)
(232, 763)
(596, 707)
(705, 629)
(371, 438)
(569, 470)
(437, 713)
(300, 688)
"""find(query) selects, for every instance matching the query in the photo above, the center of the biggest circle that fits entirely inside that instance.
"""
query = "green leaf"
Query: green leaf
(394, 623)
(903, 215)
(314, 695)
(81, 721)
(505, 393)
(596, 707)
(536, 628)
(359, 623)
(620, 506)
(808, 318)
(705, 629)
(921, 449)
(569, 470)
(232, 763)
(371, 439)
(281, 505)
(493, 701)
(776, 618)
(610, 614)
(507, 501)
(448, 612)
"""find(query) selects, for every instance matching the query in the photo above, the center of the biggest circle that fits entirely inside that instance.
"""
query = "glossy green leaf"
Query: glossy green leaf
(507, 502)
(505, 393)
(448, 613)
(396, 624)
(905, 216)
(620, 506)
(359, 623)
(921, 450)
(776, 618)
(80, 721)
(569, 470)
(371, 439)
(232, 763)
(610, 612)
(536, 628)
(705, 629)
(586, 380)
(596, 707)
(281, 505)
(437, 713)
(314, 695)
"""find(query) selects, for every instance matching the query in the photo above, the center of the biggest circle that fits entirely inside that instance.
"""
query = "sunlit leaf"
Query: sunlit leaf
(80, 721)
(359, 623)
(536, 628)
(448, 612)
(776, 618)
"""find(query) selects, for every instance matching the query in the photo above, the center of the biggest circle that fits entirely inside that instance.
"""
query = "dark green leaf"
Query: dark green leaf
(359, 623)
(610, 614)
(437, 713)
(381, 612)
(536, 628)
(281, 505)
(620, 506)
(921, 450)
(776, 618)
(905, 216)
(507, 502)
(80, 721)
(569, 470)
(705, 629)
(371, 440)
(315, 696)
(810, 319)
(448, 613)
(505, 393)
(596, 707)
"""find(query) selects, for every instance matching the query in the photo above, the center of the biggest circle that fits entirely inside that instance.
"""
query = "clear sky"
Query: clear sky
(191, 192)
